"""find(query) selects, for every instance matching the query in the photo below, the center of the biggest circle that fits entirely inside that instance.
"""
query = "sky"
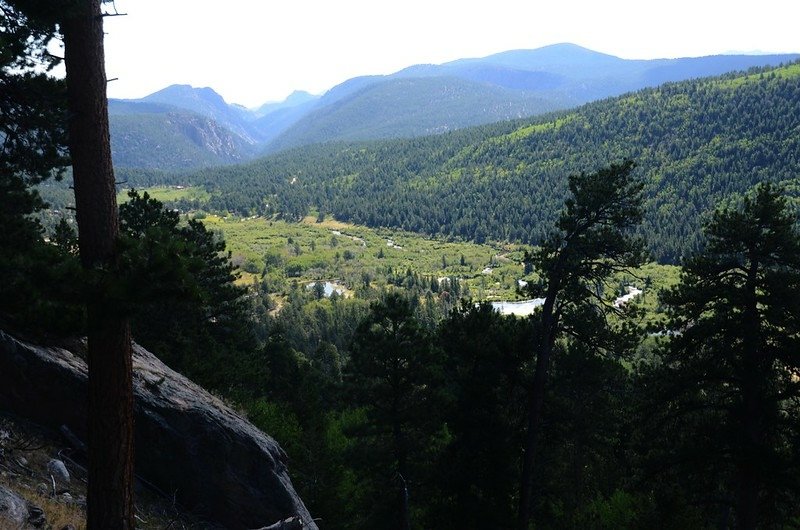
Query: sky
(254, 51)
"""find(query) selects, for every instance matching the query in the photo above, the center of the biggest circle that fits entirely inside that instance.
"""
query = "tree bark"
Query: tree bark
(110, 495)
(752, 405)
(544, 351)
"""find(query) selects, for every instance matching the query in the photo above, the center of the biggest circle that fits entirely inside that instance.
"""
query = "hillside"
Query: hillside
(25, 452)
(507, 85)
(416, 101)
(411, 107)
(205, 102)
(695, 142)
(158, 136)
(573, 75)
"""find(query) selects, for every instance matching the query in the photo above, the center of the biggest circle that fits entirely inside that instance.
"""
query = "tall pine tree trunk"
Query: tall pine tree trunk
(752, 406)
(110, 496)
(536, 403)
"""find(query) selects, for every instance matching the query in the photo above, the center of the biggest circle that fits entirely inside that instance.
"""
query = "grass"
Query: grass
(351, 255)
(59, 514)
(33, 483)
(168, 194)
(530, 130)
(331, 250)
(784, 72)
(652, 278)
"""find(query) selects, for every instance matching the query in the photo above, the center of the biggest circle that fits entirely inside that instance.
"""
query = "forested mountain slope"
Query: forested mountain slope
(206, 102)
(151, 135)
(174, 140)
(425, 99)
(696, 142)
(412, 107)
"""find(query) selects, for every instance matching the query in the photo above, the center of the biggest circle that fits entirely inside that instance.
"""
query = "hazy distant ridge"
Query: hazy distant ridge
(418, 100)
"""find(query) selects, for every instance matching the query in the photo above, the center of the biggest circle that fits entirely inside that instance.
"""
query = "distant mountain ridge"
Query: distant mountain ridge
(418, 100)
(296, 98)
(206, 102)
(407, 107)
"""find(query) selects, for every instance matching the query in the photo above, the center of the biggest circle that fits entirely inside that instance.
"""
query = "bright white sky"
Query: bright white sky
(253, 51)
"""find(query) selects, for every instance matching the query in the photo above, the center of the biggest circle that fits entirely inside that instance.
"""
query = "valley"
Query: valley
(359, 261)
(543, 288)
(695, 142)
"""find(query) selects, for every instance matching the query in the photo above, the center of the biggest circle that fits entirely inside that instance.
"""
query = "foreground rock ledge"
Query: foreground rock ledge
(188, 443)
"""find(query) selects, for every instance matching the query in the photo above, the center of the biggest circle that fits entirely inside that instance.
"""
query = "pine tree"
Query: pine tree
(179, 286)
(591, 241)
(485, 358)
(731, 367)
(32, 111)
(389, 376)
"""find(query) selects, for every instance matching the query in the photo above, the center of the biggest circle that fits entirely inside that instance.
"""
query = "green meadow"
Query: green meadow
(356, 256)
(352, 255)
(167, 194)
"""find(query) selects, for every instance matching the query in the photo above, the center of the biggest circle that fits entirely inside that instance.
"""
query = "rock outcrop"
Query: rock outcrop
(13, 508)
(188, 443)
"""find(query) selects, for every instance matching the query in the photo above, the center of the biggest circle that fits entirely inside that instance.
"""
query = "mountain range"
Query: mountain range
(696, 143)
(185, 127)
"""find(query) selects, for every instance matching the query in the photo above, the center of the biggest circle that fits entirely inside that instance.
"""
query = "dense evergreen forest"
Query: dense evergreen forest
(403, 406)
(389, 415)
(695, 143)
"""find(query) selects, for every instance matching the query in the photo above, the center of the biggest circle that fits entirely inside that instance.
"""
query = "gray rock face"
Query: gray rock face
(13, 508)
(58, 471)
(188, 443)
